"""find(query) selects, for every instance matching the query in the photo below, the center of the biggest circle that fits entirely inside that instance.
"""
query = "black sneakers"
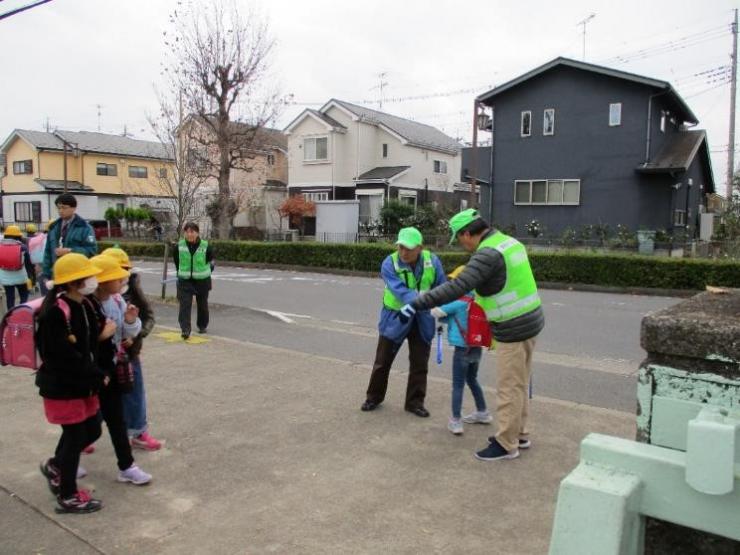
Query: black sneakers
(368, 406)
(80, 503)
(524, 443)
(52, 475)
(495, 452)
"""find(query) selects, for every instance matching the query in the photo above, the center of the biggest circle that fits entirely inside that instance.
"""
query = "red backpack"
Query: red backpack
(18, 333)
(478, 330)
(11, 255)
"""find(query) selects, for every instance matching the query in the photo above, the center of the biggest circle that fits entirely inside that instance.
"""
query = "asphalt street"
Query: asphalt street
(588, 353)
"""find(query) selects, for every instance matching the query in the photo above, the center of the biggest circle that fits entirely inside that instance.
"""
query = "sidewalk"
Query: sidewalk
(268, 452)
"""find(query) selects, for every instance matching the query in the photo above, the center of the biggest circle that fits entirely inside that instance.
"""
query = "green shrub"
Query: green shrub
(568, 267)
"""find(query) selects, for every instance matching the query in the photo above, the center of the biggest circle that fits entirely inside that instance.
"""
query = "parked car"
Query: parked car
(101, 229)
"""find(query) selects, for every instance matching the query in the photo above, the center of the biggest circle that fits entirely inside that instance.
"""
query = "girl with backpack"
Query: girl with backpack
(134, 403)
(465, 362)
(69, 378)
(16, 270)
(112, 360)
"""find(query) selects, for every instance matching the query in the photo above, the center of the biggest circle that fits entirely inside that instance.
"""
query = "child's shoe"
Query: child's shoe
(455, 425)
(80, 503)
(81, 472)
(146, 442)
(89, 450)
(52, 475)
(135, 475)
(478, 418)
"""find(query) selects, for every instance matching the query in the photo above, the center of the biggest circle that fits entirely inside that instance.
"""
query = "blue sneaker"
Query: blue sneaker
(495, 452)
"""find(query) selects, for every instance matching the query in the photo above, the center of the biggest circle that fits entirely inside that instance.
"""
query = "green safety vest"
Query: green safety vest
(519, 295)
(407, 276)
(195, 266)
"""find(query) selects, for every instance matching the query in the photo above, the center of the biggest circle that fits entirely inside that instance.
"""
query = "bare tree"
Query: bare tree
(220, 61)
(183, 180)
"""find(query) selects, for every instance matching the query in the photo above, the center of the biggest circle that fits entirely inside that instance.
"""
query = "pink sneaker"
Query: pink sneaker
(146, 442)
(89, 450)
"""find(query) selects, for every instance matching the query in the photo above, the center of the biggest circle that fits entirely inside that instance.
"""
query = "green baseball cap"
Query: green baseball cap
(409, 237)
(460, 220)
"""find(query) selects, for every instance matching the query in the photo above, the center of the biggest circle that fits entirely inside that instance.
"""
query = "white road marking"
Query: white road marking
(345, 322)
(279, 316)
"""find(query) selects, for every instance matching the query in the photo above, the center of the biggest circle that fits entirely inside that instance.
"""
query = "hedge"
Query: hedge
(583, 268)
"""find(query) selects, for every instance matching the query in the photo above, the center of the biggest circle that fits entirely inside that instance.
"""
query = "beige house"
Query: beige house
(345, 152)
(101, 170)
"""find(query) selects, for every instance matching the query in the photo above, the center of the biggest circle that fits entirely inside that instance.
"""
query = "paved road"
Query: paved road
(589, 351)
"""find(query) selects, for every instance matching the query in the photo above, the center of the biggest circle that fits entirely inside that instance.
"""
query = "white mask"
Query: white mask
(124, 289)
(89, 287)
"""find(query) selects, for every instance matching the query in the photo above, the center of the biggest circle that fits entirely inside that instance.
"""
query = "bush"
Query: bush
(584, 268)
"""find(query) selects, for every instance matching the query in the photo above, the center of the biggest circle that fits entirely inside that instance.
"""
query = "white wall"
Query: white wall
(336, 221)
(301, 173)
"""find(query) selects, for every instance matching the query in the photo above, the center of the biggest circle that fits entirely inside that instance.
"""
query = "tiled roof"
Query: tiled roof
(328, 119)
(677, 152)
(58, 185)
(417, 134)
(103, 143)
(383, 172)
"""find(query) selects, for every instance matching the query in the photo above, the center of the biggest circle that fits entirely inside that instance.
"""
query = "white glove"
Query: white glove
(438, 312)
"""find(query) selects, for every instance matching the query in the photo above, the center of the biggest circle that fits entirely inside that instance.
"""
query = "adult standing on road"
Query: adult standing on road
(504, 285)
(194, 263)
(407, 272)
(68, 233)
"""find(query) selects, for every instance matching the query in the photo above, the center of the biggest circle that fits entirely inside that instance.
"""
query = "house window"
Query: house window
(548, 191)
(27, 211)
(662, 122)
(526, 126)
(370, 206)
(407, 197)
(270, 159)
(163, 173)
(316, 195)
(440, 166)
(23, 166)
(315, 149)
(120, 206)
(615, 114)
(385, 150)
(548, 122)
(463, 204)
(138, 172)
(106, 169)
(679, 217)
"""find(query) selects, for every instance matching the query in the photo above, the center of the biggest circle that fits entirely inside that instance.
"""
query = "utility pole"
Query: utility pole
(98, 106)
(474, 156)
(583, 23)
(733, 101)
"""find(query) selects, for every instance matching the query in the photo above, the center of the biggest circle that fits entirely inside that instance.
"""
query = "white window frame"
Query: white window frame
(313, 196)
(615, 108)
(305, 150)
(547, 192)
(679, 218)
(442, 166)
(544, 122)
(662, 121)
(521, 123)
(408, 194)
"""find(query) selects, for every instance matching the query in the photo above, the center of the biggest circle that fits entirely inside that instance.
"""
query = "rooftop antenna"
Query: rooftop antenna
(99, 106)
(584, 22)
(381, 85)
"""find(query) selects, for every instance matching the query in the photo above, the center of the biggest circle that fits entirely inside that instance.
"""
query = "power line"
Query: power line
(23, 9)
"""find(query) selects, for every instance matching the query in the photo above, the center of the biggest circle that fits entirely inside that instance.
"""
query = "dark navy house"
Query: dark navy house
(577, 144)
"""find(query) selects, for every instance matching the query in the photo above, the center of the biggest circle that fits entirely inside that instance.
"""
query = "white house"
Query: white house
(345, 152)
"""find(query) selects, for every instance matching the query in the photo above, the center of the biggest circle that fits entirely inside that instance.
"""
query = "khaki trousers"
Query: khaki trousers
(513, 368)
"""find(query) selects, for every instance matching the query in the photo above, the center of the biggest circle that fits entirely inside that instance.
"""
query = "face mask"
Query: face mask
(124, 289)
(89, 286)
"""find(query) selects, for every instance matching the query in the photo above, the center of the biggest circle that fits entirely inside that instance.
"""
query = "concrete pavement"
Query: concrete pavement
(267, 452)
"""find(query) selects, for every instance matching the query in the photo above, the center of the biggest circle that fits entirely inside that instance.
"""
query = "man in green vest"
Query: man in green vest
(501, 276)
(407, 273)
(194, 263)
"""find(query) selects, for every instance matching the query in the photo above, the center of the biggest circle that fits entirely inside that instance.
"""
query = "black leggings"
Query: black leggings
(111, 407)
(74, 438)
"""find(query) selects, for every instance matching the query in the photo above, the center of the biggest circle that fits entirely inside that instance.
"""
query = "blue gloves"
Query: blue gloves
(406, 313)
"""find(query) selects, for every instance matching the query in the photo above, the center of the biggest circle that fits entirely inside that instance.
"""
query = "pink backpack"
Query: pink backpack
(18, 333)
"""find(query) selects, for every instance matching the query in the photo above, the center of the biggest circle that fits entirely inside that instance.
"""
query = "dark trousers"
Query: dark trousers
(416, 388)
(10, 294)
(186, 289)
(74, 438)
(111, 408)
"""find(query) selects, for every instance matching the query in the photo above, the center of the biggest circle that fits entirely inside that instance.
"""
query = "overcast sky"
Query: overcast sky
(62, 59)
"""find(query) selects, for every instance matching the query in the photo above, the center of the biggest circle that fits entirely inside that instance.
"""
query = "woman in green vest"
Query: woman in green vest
(500, 274)
(194, 263)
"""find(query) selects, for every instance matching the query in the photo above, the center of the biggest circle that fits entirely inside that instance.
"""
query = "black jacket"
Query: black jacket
(68, 370)
(485, 272)
(146, 315)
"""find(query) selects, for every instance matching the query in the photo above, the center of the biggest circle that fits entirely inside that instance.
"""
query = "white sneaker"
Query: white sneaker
(135, 475)
(455, 426)
(478, 418)
(81, 472)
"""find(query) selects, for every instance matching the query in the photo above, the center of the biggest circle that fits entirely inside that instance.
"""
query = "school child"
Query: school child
(112, 307)
(465, 363)
(16, 270)
(69, 378)
(134, 403)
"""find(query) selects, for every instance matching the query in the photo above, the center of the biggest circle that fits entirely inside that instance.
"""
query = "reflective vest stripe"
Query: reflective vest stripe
(498, 313)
